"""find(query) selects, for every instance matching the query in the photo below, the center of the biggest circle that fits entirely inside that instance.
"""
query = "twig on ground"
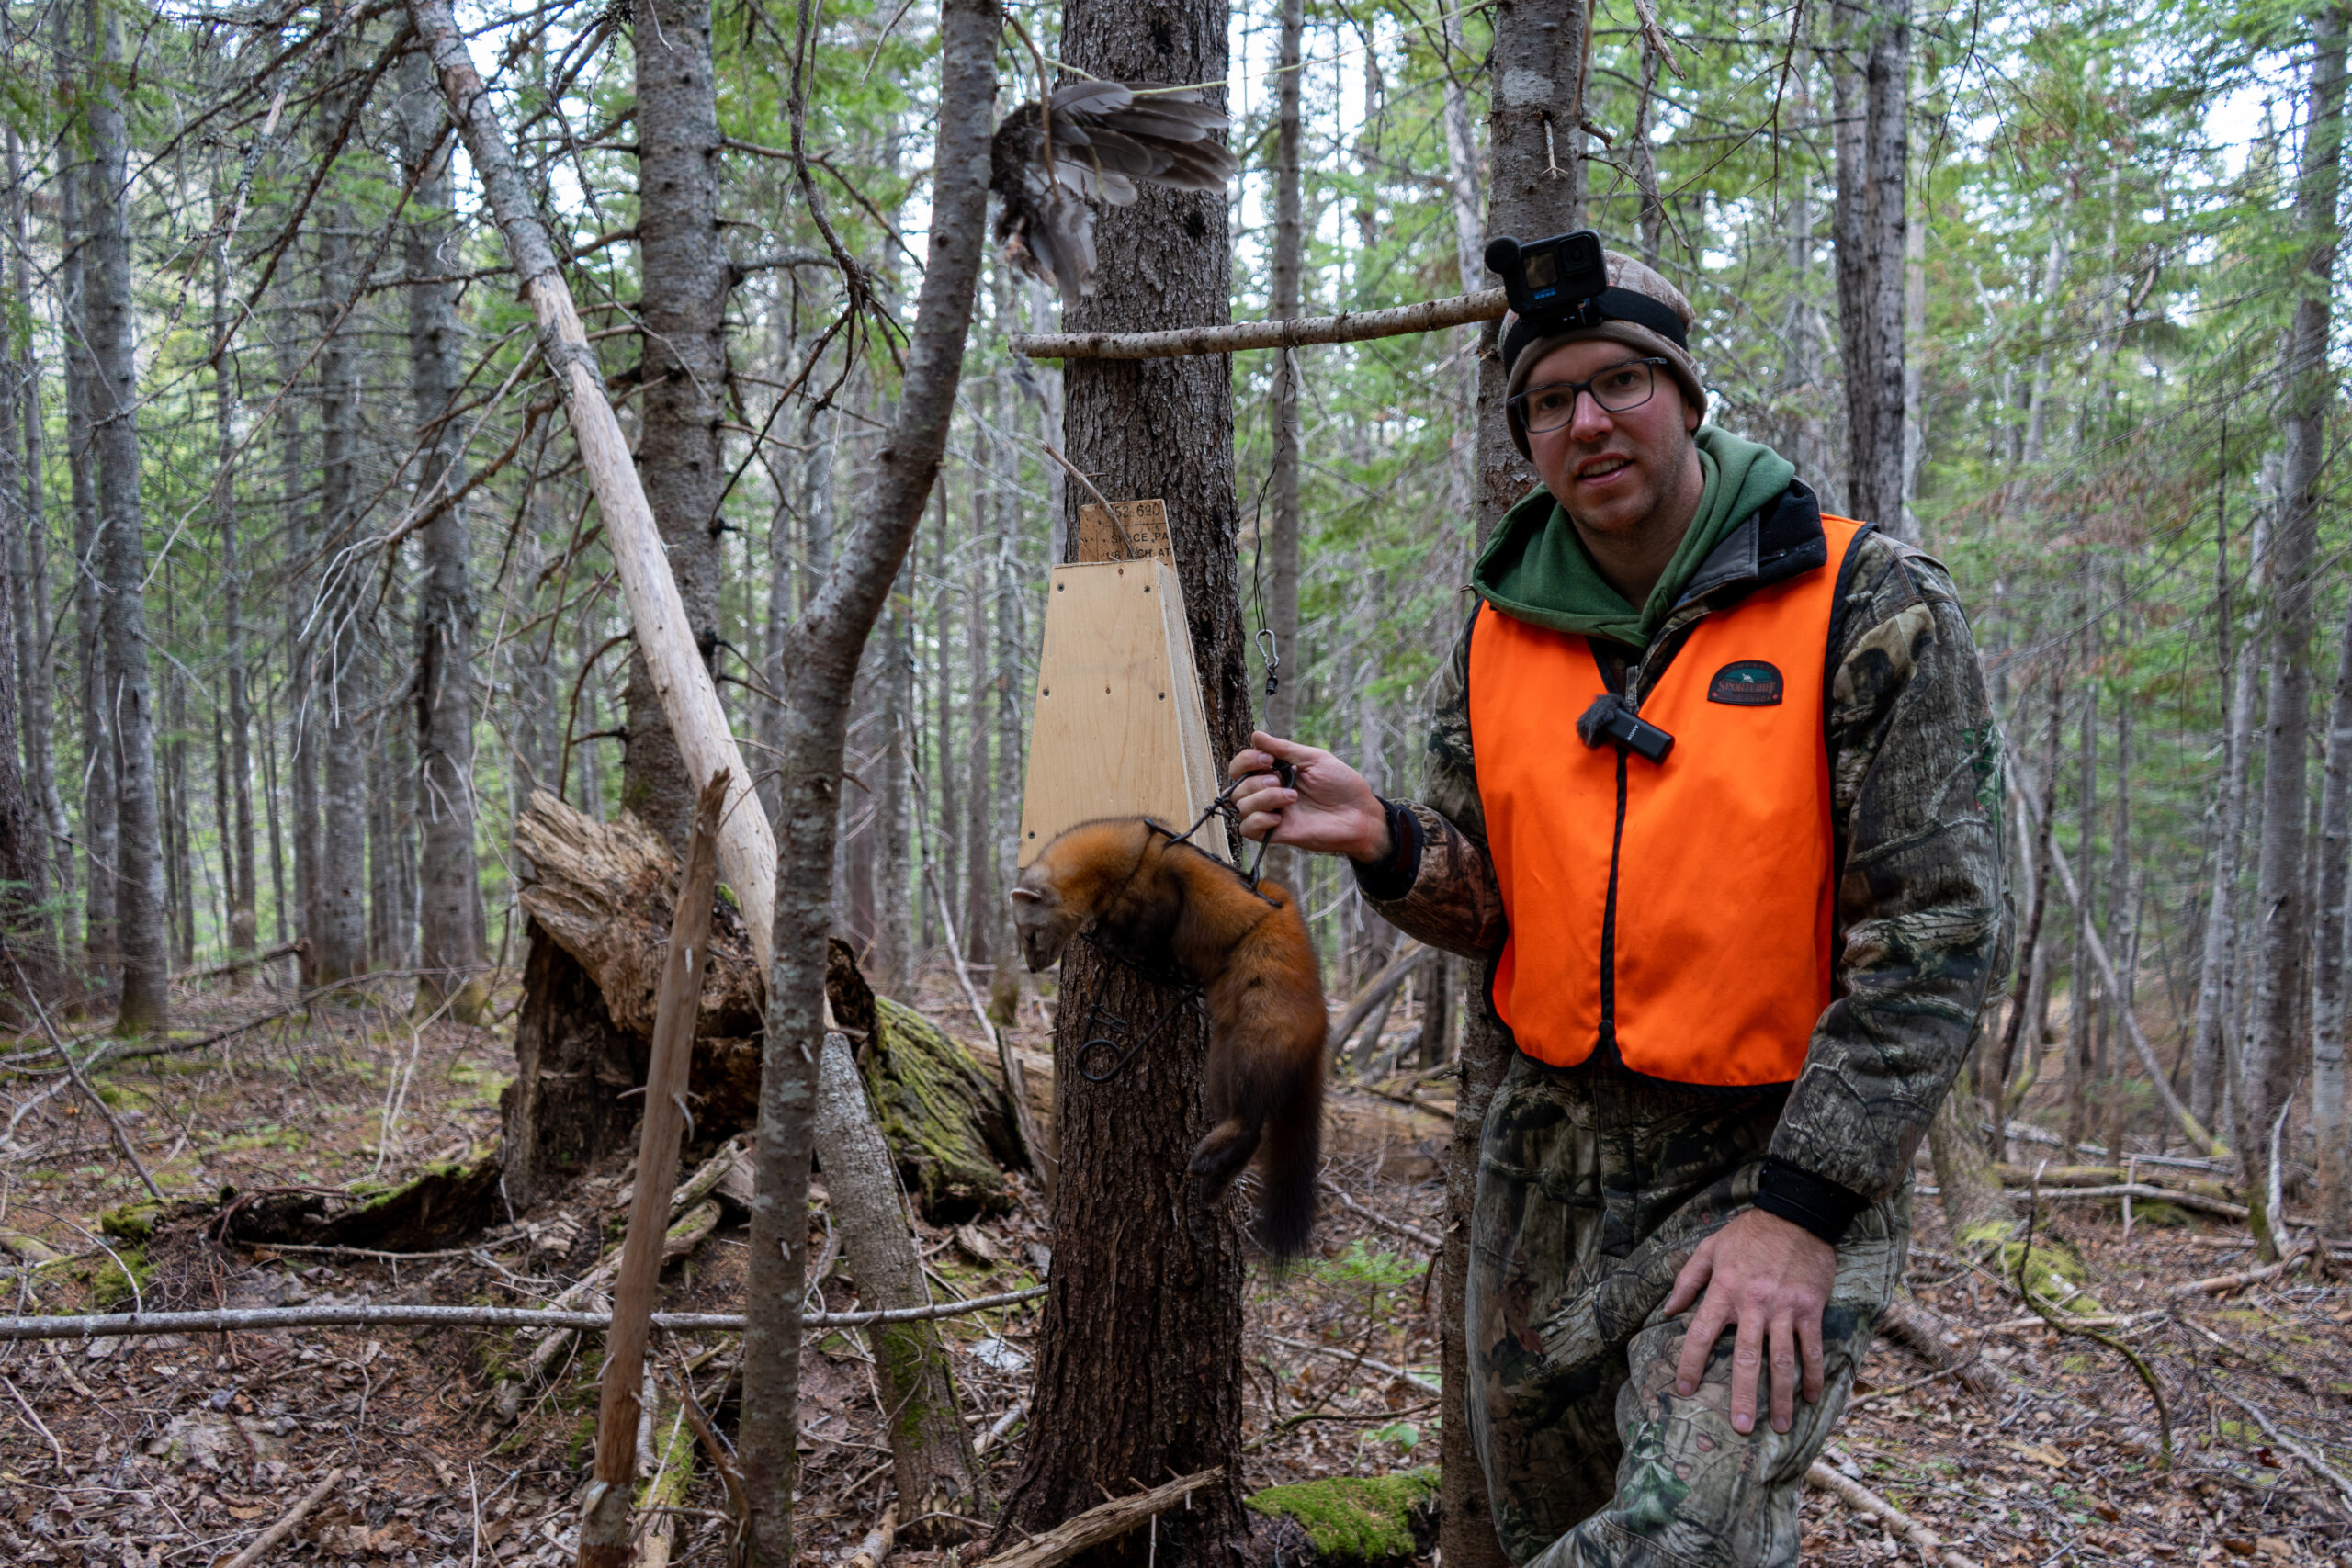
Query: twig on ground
(1095, 1526)
(2302, 1451)
(2296, 1256)
(2049, 1315)
(877, 1544)
(1411, 1233)
(1000, 1426)
(47, 1436)
(121, 1139)
(1862, 1499)
(394, 1316)
(284, 1527)
(1426, 1384)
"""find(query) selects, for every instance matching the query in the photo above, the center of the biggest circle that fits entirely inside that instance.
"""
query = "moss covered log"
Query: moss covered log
(1362, 1521)
(949, 1124)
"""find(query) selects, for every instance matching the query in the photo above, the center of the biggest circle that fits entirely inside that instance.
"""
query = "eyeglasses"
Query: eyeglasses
(1618, 389)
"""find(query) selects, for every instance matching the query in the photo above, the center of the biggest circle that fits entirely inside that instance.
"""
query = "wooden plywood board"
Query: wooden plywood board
(1119, 730)
(1146, 526)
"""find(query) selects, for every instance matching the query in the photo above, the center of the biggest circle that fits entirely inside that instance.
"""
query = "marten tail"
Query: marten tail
(1291, 1159)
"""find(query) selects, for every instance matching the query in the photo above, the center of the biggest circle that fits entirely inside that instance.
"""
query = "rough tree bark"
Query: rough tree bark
(1538, 101)
(2313, 395)
(1871, 76)
(89, 562)
(683, 367)
(936, 1472)
(1139, 1376)
(2207, 1055)
(111, 326)
(340, 693)
(2327, 985)
(449, 928)
(2272, 1054)
(243, 928)
(40, 765)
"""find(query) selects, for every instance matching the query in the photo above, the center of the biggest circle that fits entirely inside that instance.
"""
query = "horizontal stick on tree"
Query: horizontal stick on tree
(1349, 326)
(1092, 1528)
(252, 1320)
(1863, 1500)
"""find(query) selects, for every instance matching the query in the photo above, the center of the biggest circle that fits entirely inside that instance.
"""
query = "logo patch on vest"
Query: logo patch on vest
(1750, 684)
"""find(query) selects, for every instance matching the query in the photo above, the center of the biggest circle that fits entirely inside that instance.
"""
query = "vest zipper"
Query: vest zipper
(1671, 642)
(1609, 922)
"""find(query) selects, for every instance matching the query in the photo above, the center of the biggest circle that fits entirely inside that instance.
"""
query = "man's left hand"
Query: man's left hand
(1771, 1279)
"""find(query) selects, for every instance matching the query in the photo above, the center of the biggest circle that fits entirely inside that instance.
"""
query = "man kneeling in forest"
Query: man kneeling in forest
(1730, 842)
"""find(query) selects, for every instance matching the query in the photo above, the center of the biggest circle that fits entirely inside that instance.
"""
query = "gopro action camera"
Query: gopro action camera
(1558, 279)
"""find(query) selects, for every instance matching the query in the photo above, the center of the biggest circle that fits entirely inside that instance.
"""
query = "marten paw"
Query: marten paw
(1222, 1154)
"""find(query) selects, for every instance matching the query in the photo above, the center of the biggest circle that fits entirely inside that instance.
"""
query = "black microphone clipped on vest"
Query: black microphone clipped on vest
(1612, 719)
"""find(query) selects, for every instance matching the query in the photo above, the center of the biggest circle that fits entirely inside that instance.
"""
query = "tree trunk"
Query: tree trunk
(1139, 1373)
(111, 323)
(981, 895)
(304, 719)
(2271, 1066)
(1538, 101)
(1281, 609)
(25, 940)
(823, 656)
(2122, 931)
(25, 931)
(1004, 993)
(1872, 81)
(2081, 988)
(98, 834)
(683, 367)
(237, 857)
(340, 697)
(2028, 992)
(449, 928)
(2215, 1017)
(936, 1472)
(2327, 989)
(39, 695)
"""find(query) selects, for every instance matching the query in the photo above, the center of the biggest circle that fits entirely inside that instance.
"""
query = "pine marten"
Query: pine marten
(1154, 899)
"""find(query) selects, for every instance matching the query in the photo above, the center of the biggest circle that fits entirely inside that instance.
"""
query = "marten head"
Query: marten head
(1072, 880)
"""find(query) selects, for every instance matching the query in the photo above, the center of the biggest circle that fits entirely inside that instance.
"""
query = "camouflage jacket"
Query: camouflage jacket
(1914, 764)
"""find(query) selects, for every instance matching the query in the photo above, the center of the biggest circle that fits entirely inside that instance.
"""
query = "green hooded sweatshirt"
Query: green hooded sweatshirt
(1536, 570)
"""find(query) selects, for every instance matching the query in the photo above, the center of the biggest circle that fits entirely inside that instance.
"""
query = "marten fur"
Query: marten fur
(1156, 899)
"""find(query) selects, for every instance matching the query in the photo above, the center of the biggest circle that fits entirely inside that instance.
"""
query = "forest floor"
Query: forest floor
(149, 1452)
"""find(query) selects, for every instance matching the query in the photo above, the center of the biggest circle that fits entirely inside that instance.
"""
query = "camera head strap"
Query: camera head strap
(1560, 284)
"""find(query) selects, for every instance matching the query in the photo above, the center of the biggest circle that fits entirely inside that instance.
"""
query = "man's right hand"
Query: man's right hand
(1330, 811)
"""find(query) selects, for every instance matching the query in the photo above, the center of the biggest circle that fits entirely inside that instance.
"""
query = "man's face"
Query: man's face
(1613, 471)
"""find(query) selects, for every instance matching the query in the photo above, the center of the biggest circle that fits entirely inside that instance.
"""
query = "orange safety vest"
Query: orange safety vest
(1680, 911)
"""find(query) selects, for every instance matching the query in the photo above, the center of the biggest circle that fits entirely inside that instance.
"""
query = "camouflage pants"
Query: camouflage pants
(1594, 1190)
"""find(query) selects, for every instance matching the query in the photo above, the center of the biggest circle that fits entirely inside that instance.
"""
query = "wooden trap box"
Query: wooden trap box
(1119, 730)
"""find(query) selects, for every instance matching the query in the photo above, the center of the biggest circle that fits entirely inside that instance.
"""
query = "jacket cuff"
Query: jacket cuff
(1814, 1202)
(1392, 875)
